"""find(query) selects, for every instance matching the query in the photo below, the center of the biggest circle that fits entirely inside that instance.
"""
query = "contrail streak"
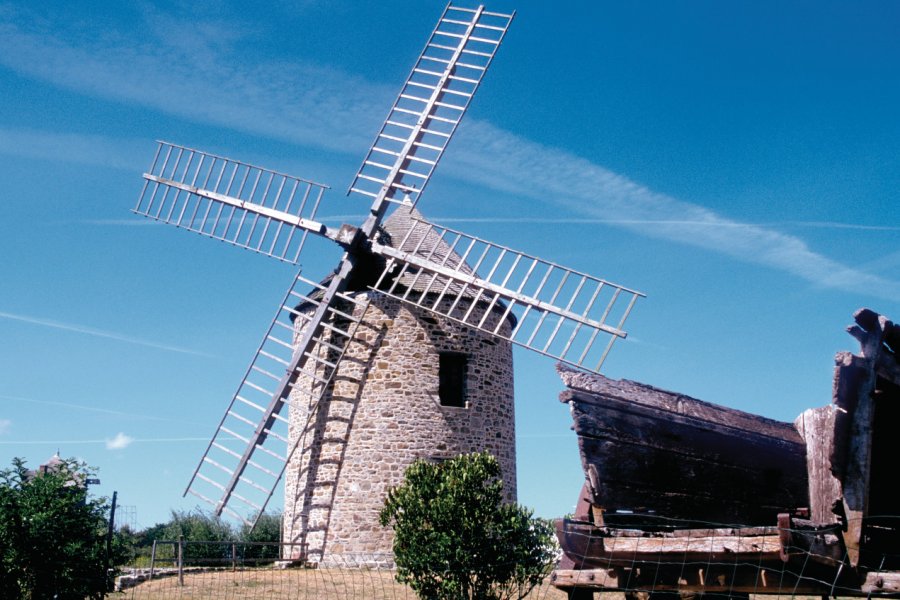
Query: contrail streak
(111, 335)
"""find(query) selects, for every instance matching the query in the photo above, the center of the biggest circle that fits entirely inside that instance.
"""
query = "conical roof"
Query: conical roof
(407, 230)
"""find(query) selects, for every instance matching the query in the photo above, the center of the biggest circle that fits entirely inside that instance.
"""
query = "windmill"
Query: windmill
(453, 302)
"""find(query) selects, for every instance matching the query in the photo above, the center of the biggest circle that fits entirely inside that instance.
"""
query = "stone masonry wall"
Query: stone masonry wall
(382, 413)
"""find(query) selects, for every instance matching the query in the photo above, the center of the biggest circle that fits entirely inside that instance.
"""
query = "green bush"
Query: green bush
(456, 538)
(52, 534)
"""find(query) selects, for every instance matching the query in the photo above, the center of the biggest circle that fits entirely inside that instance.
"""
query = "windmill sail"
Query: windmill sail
(558, 312)
(431, 104)
(251, 207)
(553, 310)
(272, 213)
(249, 451)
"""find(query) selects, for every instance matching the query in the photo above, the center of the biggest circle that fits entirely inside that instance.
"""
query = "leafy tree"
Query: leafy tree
(197, 526)
(145, 537)
(456, 538)
(267, 530)
(52, 534)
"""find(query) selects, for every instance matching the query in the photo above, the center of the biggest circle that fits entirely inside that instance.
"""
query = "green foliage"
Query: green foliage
(52, 534)
(198, 527)
(267, 530)
(456, 538)
(208, 540)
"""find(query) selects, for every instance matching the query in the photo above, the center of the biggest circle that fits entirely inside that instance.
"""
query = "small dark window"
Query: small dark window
(452, 373)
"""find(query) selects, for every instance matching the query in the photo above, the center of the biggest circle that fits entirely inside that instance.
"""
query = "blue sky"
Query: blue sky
(737, 162)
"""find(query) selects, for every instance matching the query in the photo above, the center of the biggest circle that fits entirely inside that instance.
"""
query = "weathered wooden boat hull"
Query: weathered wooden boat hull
(808, 507)
(678, 461)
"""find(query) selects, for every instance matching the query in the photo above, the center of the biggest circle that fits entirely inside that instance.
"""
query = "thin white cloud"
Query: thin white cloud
(838, 225)
(5, 426)
(119, 442)
(82, 329)
(93, 409)
(104, 441)
(324, 108)
(508, 162)
(120, 222)
(183, 75)
(651, 222)
(84, 149)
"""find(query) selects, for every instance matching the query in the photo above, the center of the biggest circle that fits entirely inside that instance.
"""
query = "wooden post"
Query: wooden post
(110, 583)
(855, 386)
(152, 559)
(181, 560)
(816, 426)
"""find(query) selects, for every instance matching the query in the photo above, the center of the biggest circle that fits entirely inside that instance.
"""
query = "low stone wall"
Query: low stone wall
(131, 577)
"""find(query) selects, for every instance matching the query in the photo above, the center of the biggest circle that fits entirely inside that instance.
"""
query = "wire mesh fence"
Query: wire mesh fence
(252, 571)
(631, 561)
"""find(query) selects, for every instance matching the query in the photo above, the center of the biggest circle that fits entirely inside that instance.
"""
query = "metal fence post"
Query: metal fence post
(181, 560)
(111, 581)
(233, 556)
(152, 559)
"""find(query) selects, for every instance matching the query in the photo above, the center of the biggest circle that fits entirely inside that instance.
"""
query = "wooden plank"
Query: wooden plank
(589, 578)
(589, 546)
(810, 541)
(854, 384)
(881, 582)
(618, 532)
(816, 426)
(705, 546)
(749, 579)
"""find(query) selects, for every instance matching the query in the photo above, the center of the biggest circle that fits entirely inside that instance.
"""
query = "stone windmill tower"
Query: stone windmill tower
(404, 350)
(411, 384)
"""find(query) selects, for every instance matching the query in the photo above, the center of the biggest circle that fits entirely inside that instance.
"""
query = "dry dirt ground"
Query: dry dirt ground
(293, 584)
(310, 584)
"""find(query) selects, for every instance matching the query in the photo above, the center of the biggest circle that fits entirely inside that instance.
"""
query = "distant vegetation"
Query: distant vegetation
(197, 526)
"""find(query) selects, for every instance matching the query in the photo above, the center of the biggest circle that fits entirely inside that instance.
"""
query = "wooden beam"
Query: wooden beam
(854, 385)
(590, 578)
(816, 425)
(590, 546)
(888, 369)
(749, 579)
(881, 582)
(714, 547)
